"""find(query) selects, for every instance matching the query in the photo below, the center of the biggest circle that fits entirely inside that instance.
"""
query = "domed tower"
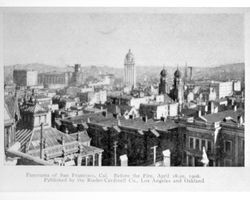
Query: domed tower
(178, 89)
(129, 70)
(163, 87)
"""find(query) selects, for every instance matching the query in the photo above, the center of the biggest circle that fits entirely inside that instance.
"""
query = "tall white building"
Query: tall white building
(129, 70)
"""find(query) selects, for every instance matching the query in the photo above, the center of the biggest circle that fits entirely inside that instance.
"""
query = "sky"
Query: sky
(62, 39)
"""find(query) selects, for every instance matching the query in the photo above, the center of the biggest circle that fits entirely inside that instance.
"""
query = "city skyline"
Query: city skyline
(104, 39)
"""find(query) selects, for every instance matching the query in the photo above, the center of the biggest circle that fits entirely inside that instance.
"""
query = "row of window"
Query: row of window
(198, 144)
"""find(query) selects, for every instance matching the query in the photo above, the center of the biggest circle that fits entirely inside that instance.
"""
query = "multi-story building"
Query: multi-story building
(129, 70)
(36, 139)
(221, 134)
(53, 79)
(93, 97)
(159, 110)
(25, 77)
(223, 89)
(142, 140)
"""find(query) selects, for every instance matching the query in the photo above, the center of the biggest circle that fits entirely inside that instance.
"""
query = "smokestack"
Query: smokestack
(41, 141)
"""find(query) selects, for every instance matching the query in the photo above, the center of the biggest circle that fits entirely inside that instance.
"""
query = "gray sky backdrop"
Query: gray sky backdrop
(104, 39)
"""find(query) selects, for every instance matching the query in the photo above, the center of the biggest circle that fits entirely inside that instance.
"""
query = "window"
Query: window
(184, 139)
(191, 143)
(228, 146)
(197, 144)
(203, 143)
(209, 146)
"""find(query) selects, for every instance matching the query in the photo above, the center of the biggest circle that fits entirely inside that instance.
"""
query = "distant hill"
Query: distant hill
(221, 73)
(144, 73)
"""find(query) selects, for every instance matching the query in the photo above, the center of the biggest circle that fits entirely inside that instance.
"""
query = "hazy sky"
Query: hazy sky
(104, 39)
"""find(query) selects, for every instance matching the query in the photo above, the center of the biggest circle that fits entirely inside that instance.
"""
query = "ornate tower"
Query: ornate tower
(129, 70)
(163, 87)
(178, 89)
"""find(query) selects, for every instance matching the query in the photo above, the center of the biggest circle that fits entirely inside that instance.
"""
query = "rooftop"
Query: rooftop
(218, 117)
(138, 124)
(33, 108)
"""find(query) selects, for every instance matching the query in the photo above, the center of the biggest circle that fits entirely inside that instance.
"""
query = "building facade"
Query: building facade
(25, 77)
(129, 70)
(163, 86)
(53, 79)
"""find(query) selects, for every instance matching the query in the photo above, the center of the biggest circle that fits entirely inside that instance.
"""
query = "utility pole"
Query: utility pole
(154, 149)
(115, 146)
(41, 141)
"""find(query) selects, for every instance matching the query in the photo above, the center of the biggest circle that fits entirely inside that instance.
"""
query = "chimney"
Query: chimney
(62, 140)
(145, 118)
(78, 137)
(116, 115)
(232, 102)
(211, 107)
(41, 141)
(199, 113)
(166, 158)
(118, 122)
(104, 113)
(88, 120)
(124, 160)
(235, 108)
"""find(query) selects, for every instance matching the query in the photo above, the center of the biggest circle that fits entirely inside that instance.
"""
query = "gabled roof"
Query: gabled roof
(167, 99)
(35, 109)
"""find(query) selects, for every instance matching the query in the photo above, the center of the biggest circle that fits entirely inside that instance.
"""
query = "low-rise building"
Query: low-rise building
(159, 110)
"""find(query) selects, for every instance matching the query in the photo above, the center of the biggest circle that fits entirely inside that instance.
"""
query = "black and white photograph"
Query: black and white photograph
(90, 88)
